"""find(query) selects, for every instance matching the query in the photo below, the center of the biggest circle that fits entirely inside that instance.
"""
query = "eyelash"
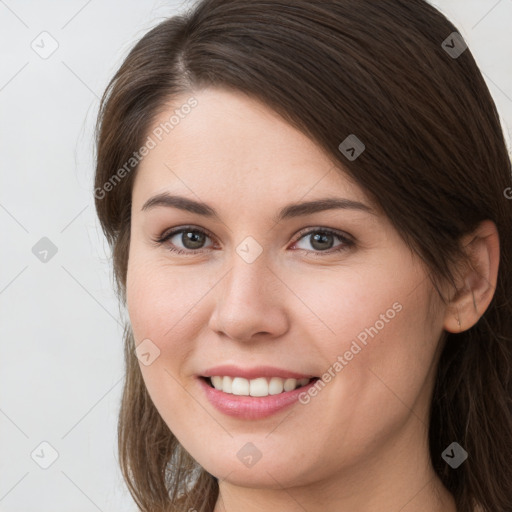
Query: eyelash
(347, 242)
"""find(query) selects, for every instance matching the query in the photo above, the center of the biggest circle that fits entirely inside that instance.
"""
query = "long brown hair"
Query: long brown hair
(435, 161)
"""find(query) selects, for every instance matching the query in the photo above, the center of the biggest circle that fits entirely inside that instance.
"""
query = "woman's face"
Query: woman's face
(273, 299)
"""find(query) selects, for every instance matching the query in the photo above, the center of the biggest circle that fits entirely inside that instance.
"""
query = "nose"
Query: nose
(250, 302)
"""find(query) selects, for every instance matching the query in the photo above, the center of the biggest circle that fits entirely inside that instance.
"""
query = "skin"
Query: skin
(361, 443)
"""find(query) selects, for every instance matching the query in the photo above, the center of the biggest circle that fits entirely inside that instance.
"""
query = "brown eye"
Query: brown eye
(191, 239)
(323, 240)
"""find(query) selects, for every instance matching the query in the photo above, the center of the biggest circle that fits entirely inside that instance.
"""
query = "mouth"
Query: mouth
(256, 398)
(258, 387)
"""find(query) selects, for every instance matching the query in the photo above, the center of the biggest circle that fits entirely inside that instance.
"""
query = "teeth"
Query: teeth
(258, 387)
(290, 384)
(217, 382)
(226, 384)
(276, 386)
(240, 386)
(255, 387)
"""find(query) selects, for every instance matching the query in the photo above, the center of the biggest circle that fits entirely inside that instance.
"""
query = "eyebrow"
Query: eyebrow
(288, 212)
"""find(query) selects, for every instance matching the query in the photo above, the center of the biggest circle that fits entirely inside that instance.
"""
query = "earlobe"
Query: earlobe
(479, 279)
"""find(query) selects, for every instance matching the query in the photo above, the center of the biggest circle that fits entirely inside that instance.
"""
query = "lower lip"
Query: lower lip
(249, 407)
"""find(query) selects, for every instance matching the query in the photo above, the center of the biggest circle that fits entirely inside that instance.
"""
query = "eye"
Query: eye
(322, 239)
(193, 239)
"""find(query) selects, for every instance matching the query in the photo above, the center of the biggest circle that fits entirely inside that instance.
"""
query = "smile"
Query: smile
(259, 387)
(233, 397)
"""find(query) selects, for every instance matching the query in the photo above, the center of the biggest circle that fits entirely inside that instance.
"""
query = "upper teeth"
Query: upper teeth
(255, 387)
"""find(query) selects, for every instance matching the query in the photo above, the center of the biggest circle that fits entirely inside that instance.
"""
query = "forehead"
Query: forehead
(229, 144)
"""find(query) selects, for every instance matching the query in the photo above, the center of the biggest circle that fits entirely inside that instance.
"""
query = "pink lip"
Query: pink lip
(253, 373)
(248, 407)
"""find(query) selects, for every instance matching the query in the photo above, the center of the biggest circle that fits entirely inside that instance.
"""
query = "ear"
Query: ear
(476, 283)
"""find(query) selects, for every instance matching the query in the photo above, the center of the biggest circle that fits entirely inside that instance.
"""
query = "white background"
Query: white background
(61, 361)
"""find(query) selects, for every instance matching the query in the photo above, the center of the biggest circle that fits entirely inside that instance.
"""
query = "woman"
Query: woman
(307, 205)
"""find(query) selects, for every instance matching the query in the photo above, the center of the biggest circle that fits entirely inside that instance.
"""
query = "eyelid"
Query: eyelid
(169, 233)
(332, 231)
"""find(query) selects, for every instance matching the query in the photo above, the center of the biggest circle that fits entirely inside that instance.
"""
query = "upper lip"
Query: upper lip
(254, 372)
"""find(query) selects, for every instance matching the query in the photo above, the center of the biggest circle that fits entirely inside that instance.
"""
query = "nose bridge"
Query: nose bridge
(247, 284)
(250, 269)
(249, 301)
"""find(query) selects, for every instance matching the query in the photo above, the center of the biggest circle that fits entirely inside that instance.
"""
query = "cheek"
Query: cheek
(346, 313)
(163, 302)
(378, 368)
(377, 345)
(376, 318)
(160, 305)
